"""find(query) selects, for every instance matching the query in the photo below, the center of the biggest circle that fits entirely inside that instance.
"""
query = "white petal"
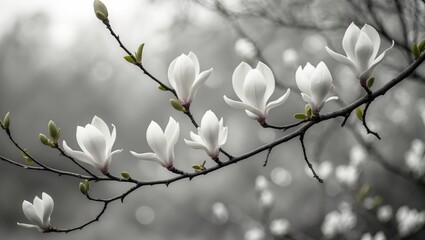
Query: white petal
(198, 82)
(95, 144)
(349, 41)
(302, 80)
(103, 128)
(309, 100)
(244, 106)
(157, 141)
(268, 76)
(321, 83)
(374, 36)
(184, 75)
(81, 134)
(278, 101)
(309, 70)
(364, 51)
(223, 136)
(195, 60)
(254, 89)
(113, 137)
(209, 130)
(172, 132)
(171, 73)
(48, 207)
(238, 79)
(81, 156)
(327, 100)
(30, 213)
(196, 145)
(342, 59)
(196, 137)
(38, 207)
(368, 73)
(148, 157)
(29, 226)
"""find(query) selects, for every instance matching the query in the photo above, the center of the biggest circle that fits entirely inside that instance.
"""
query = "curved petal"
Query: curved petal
(113, 137)
(184, 75)
(302, 80)
(196, 137)
(149, 157)
(238, 79)
(374, 37)
(195, 60)
(157, 141)
(244, 106)
(31, 214)
(321, 83)
(278, 101)
(171, 73)
(342, 59)
(255, 88)
(81, 156)
(29, 226)
(223, 136)
(95, 144)
(308, 70)
(309, 100)
(198, 82)
(48, 205)
(103, 128)
(349, 41)
(327, 100)
(196, 145)
(172, 132)
(210, 130)
(269, 77)
(364, 51)
(368, 73)
(81, 134)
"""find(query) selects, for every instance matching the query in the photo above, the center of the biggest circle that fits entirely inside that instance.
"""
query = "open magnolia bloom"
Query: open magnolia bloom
(211, 135)
(38, 212)
(315, 84)
(161, 142)
(254, 87)
(184, 77)
(361, 47)
(96, 141)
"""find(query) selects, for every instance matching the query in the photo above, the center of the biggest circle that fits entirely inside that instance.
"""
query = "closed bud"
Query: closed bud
(6, 121)
(83, 188)
(54, 132)
(421, 45)
(308, 112)
(50, 143)
(415, 50)
(43, 139)
(162, 88)
(177, 105)
(125, 175)
(129, 59)
(100, 10)
(139, 53)
(359, 113)
(370, 82)
(87, 185)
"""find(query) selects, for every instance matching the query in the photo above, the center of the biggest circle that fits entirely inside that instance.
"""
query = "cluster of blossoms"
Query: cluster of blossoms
(415, 158)
(409, 220)
(339, 222)
(378, 236)
(253, 86)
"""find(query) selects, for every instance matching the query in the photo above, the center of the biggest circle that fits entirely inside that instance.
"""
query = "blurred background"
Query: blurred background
(57, 61)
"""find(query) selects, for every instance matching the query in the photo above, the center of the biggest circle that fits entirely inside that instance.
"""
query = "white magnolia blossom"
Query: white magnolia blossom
(255, 233)
(38, 212)
(358, 156)
(324, 169)
(266, 200)
(279, 227)
(384, 213)
(261, 184)
(409, 220)
(245, 49)
(254, 87)
(161, 142)
(185, 78)
(378, 236)
(96, 141)
(315, 84)
(361, 47)
(415, 158)
(339, 222)
(211, 135)
(220, 213)
(347, 175)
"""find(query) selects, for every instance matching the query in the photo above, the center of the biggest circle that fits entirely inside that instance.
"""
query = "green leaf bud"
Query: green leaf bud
(359, 113)
(54, 132)
(83, 188)
(129, 59)
(301, 116)
(370, 81)
(162, 88)
(100, 10)
(415, 50)
(6, 121)
(177, 105)
(43, 139)
(125, 175)
(139, 53)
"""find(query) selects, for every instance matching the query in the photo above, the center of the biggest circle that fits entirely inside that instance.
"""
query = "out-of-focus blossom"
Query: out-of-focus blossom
(266, 200)
(324, 169)
(254, 87)
(279, 227)
(415, 158)
(281, 177)
(211, 135)
(220, 213)
(245, 49)
(161, 142)
(185, 78)
(369, 203)
(290, 57)
(261, 184)
(361, 47)
(38, 213)
(339, 222)
(378, 236)
(384, 213)
(315, 84)
(255, 233)
(96, 141)
(409, 220)
(347, 175)
(358, 156)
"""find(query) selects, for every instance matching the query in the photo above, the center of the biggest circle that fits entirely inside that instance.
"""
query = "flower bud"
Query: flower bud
(100, 10)
(125, 175)
(43, 139)
(139, 53)
(415, 50)
(87, 185)
(129, 59)
(83, 188)
(6, 121)
(370, 81)
(177, 105)
(54, 132)
(421, 45)
(162, 88)
(359, 113)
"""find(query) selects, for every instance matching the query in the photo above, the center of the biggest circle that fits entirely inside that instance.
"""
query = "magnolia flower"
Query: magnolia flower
(339, 222)
(315, 84)
(384, 213)
(38, 212)
(379, 236)
(361, 47)
(254, 87)
(161, 142)
(184, 77)
(347, 175)
(279, 227)
(211, 135)
(409, 220)
(96, 141)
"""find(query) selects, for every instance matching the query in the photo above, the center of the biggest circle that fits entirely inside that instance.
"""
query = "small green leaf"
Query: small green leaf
(6, 121)
(301, 116)
(83, 188)
(370, 81)
(415, 50)
(308, 112)
(421, 45)
(129, 59)
(177, 105)
(100, 10)
(197, 167)
(26, 157)
(87, 185)
(364, 191)
(54, 132)
(378, 200)
(359, 113)
(139, 53)
(43, 139)
(162, 88)
(125, 175)
(28, 160)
